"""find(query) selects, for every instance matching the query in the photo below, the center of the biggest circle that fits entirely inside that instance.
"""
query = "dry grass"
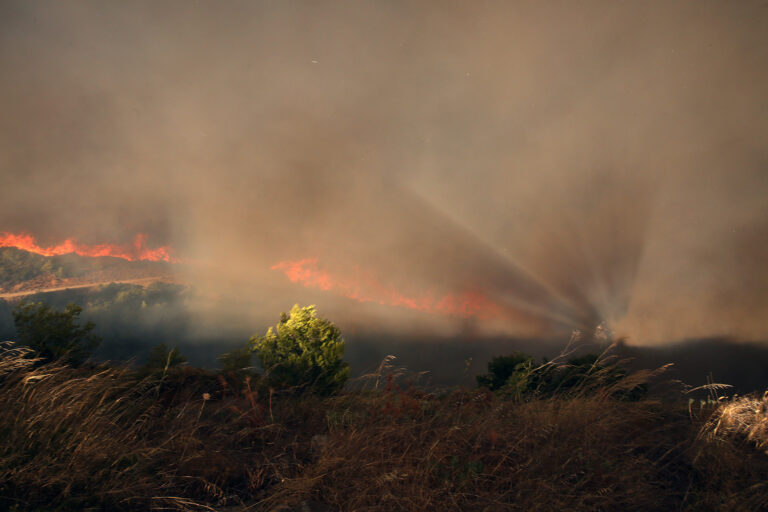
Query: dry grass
(106, 438)
(742, 417)
(730, 456)
(469, 451)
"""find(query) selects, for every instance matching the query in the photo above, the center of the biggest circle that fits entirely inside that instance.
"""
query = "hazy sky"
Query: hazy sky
(573, 161)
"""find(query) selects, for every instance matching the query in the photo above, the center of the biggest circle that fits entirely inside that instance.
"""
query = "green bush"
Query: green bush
(54, 335)
(161, 358)
(517, 376)
(501, 368)
(303, 352)
(237, 361)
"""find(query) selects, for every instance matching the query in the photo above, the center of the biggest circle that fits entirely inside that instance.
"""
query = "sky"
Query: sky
(563, 164)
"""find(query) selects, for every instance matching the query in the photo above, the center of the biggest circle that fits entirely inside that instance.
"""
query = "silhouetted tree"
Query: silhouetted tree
(501, 368)
(236, 361)
(54, 335)
(160, 358)
(516, 376)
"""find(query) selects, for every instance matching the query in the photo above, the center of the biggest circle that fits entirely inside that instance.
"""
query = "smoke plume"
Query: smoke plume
(573, 163)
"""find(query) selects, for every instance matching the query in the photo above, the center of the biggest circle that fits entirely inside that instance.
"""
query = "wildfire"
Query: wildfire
(136, 251)
(366, 288)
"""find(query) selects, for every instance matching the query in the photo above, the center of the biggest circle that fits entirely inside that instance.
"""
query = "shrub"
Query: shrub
(501, 368)
(516, 376)
(54, 335)
(303, 352)
(160, 358)
(237, 361)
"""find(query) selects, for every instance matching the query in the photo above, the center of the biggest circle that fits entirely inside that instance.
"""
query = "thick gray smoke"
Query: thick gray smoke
(577, 162)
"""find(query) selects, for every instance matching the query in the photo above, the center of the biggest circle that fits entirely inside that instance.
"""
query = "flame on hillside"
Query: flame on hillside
(137, 251)
(367, 288)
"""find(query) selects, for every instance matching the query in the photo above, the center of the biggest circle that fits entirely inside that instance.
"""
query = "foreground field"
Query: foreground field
(107, 438)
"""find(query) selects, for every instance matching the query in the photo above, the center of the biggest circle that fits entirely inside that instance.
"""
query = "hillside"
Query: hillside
(22, 271)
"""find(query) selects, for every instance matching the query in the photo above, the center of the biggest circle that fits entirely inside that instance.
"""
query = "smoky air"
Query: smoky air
(510, 169)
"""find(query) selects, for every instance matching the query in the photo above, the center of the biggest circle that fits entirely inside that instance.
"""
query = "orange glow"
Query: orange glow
(136, 251)
(366, 288)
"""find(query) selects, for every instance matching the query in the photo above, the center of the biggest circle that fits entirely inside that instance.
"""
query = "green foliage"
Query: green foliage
(516, 376)
(52, 334)
(303, 352)
(160, 358)
(501, 368)
(131, 299)
(237, 361)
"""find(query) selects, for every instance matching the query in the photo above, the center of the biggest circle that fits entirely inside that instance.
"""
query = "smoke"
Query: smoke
(575, 163)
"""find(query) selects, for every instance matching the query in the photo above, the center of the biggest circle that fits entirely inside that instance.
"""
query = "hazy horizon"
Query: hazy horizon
(505, 168)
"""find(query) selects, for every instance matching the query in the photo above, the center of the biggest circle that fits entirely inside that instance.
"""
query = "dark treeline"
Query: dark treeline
(132, 319)
(129, 318)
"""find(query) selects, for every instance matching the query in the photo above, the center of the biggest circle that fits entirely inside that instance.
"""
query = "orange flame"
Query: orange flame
(366, 288)
(133, 252)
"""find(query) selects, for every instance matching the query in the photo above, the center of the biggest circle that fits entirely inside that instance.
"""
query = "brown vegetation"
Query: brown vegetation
(186, 439)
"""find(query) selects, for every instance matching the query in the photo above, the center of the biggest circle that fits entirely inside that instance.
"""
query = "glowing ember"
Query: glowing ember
(132, 252)
(366, 288)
